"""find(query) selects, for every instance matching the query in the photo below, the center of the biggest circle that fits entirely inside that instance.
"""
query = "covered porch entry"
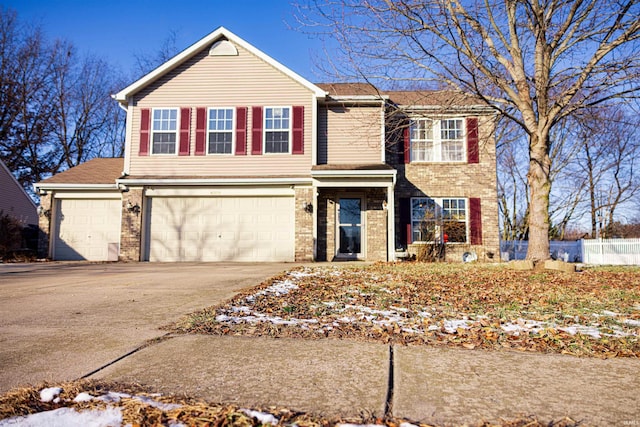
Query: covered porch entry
(354, 219)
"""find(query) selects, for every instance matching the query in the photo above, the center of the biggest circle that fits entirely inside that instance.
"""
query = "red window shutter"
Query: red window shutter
(145, 125)
(185, 134)
(406, 139)
(241, 130)
(298, 130)
(201, 131)
(475, 221)
(473, 151)
(256, 130)
(405, 221)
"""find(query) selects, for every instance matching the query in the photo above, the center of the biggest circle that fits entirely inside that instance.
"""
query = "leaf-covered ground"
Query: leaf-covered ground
(595, 312)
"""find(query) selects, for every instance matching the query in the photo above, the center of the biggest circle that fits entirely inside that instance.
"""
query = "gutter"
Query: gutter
(213, 181)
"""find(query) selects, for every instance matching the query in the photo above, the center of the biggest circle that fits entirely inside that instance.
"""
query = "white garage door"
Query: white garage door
(221, 229)
(87, 229)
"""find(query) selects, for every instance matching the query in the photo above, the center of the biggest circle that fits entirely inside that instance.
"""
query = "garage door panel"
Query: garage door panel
(84, 229)
(221, 229)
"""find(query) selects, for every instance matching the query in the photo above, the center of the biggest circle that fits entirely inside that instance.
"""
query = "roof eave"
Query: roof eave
(74, 186)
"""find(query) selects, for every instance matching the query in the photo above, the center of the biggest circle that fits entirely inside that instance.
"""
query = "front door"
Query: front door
(350, 227)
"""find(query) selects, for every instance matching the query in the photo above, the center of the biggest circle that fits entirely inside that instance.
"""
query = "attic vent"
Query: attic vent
(223, 48)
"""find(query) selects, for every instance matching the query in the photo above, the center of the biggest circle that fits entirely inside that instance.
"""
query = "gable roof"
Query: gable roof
(99, 171)
(205, 43)
(13, 199)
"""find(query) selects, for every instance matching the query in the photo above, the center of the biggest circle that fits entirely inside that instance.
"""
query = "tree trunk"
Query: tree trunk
(539, 189)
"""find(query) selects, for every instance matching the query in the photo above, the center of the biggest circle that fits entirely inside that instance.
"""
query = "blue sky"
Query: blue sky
(117, 30)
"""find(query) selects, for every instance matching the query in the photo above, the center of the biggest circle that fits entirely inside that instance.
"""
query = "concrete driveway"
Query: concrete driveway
(61, 321)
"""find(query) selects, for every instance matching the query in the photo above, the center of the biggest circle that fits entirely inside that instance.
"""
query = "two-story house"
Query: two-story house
(231, 156)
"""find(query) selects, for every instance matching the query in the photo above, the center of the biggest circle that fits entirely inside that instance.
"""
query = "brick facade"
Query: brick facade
(131, 227)
(456, 180)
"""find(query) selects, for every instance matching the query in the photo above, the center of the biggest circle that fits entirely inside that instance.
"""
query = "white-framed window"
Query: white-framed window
(438, 140)
(277, 129)
(220, 131)
(164, 130)
(439, 220)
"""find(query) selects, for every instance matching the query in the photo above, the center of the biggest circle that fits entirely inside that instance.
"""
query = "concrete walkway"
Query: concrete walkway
(432, 385)
(60, 322)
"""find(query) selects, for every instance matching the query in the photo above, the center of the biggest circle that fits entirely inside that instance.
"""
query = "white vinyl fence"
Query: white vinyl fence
(597, 251)
(611, 251)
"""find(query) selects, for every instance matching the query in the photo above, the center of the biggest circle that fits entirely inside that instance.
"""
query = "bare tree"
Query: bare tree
(536, 62)
(146, 62)
(609, 143)
(84, 108)
(55, 107)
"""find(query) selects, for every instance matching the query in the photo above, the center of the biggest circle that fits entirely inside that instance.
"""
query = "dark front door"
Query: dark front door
(350, 226)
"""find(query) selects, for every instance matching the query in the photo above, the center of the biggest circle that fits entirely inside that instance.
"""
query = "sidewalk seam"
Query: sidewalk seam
(388, 405)
(148, 343)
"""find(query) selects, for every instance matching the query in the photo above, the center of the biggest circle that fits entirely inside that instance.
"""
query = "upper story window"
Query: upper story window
(437, 140)
(277, 129)
(220, 131)
(164, 130)
(438, 220)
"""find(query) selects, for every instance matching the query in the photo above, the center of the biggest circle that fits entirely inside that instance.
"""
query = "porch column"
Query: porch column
(391, 224)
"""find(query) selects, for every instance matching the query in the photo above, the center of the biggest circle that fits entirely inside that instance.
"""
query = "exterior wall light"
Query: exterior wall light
(44, 212)
(133, 208)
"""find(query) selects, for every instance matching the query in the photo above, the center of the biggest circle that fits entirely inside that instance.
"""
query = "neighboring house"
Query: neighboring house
(14, 201)
(231, 156)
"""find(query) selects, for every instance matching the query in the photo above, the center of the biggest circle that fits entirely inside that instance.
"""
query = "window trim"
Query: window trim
(176, 132)
(232, 131)
(439, 202)
(437, 139)
(265, 130)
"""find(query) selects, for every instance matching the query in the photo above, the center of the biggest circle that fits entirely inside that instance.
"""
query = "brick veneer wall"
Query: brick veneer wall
(44, 225)
(456, 180)
(303, 224)
(131, 226)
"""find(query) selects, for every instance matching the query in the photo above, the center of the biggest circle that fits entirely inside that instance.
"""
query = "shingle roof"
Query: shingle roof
(95, 171)
(403, 97)
(442, 98)
(346, 89)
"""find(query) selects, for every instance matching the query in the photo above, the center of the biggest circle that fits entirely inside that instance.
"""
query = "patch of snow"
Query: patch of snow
(359, 425)
(631, 322)
(263, 417)
(452, 326)
(49, 394)
(610, 313)
(112, 397)
(68, 417)
(523, 325)
(581, 329)
(156, 404)
(83, 397)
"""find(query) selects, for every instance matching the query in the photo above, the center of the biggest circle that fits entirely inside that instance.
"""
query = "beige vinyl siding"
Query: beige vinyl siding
(223, 81)
(14, 201)
(348, 135)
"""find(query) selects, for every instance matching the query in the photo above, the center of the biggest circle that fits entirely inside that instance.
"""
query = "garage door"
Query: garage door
(87, 229)
(221, 229)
